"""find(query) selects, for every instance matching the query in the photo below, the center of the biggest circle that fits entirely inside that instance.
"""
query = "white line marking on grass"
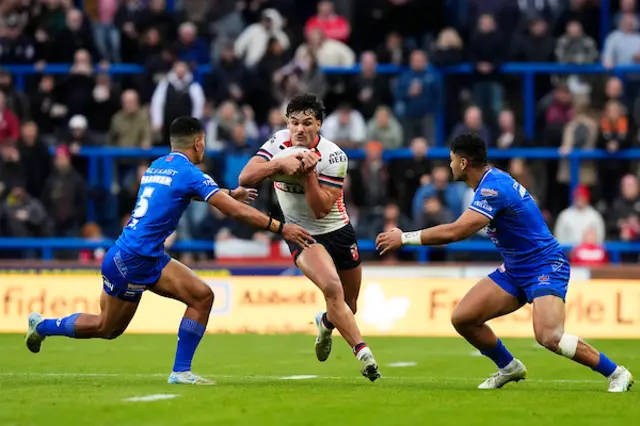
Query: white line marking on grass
(154, 397)
(244, 377)
(476, 353)
(402, 364)
(299, 377)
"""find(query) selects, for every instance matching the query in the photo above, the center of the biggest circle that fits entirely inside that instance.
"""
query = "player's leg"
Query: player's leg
(548, 326)
(113, 319)
(181, 283)
(317, 265)
(490, 298)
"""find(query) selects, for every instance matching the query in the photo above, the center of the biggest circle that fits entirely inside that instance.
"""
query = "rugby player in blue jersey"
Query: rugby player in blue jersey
(137, 261)
(535, 269)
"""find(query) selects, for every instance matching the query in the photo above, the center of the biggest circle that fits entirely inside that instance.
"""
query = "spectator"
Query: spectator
(473, 123)
(176, 95)
(433, 214)
(589, 253)
(130, 127)
(328, 53)
(391, 217)
(11, 169)
(228, 79)
(35, 159)
(575, 47)
(614, 132)
(581, 133)
(557, 115)
(15, 99)
(448, 50)
(73, 38)
(509, 135)
(519, 170)
(450, 194)
(393, 51)
(47, 110)
(624, 214)
(626, 7)
(91, 232)
(16, 47)
(487, 55)
(535, 45)
(418, 96)
(252, 44)
(369, 89)
(573, 222)
(370, 181)
(621, 47)
(127, 19)
(385, 128)
(411, 173)
(104, 106)
(9, 124)
(24, 215)
(106, 34)
(77, 88)
(333, 25)
(346, 127)
(157, 16)
(584, 11)
(64, 196)
(189, 47)
(275, 123)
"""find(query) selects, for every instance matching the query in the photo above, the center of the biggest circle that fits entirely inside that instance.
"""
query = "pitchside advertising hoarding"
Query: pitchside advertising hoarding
(387, 306)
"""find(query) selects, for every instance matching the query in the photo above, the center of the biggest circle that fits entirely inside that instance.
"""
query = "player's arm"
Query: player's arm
(321, 194)
(247, 214)
(258, 169)
(246, 195)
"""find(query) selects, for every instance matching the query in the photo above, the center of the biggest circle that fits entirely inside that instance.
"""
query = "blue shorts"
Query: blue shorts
(546, 279)
(126, 276)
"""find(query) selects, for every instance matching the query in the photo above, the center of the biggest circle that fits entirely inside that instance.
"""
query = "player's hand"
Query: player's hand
(298, 235)
(291, 165)
(389, 241)
(245, 195)
(309, 161)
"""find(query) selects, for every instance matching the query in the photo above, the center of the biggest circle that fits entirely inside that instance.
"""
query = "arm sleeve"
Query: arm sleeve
(201, 184)
(335, 170)
(488, 201)
(268, 149)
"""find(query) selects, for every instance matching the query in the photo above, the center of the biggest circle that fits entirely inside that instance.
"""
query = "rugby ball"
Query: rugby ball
(281, 177)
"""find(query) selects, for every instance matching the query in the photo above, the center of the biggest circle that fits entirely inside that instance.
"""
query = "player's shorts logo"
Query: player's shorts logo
(355, 254)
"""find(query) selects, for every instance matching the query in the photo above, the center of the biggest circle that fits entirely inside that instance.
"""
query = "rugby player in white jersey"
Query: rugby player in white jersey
(311, 196)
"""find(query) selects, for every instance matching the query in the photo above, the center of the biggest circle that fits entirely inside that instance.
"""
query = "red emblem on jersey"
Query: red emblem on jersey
(169, 158)
(354, 252)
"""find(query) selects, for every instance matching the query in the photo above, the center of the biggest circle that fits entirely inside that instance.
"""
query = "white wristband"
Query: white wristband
(411, 238)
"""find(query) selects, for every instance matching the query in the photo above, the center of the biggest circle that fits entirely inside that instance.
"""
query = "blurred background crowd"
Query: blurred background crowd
(263, 52)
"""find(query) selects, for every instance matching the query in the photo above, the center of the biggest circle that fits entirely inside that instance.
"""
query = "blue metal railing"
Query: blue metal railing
(47, 247)
(528, 71)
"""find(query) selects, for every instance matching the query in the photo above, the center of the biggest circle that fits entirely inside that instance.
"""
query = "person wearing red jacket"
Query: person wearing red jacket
(334, 26)
(9, 124)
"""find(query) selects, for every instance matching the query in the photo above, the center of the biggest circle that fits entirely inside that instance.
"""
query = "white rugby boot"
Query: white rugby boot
(621, 380)
(370, 368)
(514, 372)
(188, 378)
(33, 339)
(323, 340)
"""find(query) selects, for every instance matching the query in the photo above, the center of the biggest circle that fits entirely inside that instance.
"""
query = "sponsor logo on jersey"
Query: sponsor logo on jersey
(337, 157)
(482, 204)
(487, 192)
(289, 187)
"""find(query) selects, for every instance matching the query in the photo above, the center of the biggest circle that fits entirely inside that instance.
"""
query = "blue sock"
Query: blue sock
(189, 336)
(326, 322)
(58, 327)
(605, 366)
(499, 354)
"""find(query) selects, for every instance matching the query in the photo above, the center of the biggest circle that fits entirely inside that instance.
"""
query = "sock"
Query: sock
(499, 354)
(360, 347)
(326, 322)
(189, 336)
(605, 366)
(58, 326)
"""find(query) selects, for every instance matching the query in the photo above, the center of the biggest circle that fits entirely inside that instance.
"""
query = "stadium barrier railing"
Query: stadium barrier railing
(47, 247)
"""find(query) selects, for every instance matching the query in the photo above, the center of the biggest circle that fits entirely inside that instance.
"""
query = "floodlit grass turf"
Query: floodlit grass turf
(84, 383)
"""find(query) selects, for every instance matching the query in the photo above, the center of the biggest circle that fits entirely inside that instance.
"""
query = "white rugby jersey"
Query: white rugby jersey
(331, 169)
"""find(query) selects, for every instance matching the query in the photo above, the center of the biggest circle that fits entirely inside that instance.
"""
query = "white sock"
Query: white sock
(364, 352)
(509, 368)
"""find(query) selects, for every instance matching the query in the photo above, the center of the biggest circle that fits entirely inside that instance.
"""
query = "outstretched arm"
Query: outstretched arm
(468, 224)
(257, 170)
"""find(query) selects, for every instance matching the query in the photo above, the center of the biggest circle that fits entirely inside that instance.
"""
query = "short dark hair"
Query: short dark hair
(307, 102)
(183, 128)
(472, 147)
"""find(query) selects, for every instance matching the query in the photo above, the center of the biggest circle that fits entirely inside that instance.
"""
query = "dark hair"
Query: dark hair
(185, 126)
(472, 147)
(307, 102)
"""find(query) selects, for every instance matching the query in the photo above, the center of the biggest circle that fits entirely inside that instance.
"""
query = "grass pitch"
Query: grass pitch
(276, 380)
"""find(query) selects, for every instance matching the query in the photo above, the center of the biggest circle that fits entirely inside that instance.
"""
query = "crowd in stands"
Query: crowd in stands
(263, 52)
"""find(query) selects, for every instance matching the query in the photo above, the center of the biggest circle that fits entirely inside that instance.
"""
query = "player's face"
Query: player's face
(458, 167)
(304, 128)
